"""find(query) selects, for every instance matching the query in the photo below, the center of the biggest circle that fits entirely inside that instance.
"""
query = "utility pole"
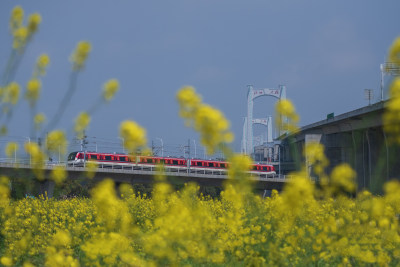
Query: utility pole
(84, 142)
(162, 146)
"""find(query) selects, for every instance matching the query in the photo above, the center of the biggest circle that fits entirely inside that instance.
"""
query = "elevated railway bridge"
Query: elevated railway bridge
(135, 175)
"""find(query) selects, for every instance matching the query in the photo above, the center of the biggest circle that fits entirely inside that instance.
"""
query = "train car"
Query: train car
(172, 164)
(78, 159)
(266, 169)
(208, 166)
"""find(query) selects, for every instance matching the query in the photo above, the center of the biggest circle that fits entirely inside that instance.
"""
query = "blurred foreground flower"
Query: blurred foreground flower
(239, 166)
(41, 65)
(110, 88)
(81, 124)
(394, 52)
(33, 23)
(316, 159)
(59, 174)
(16, 19)
(11, 93)
(133, 135)
(80, 55)
(343, 178)
(285, 116)
(56, 142)
(39, 119)
(11, 149)
(37, 158)
(33, 91)
(208, 121)
(391, 116)
(4, 191)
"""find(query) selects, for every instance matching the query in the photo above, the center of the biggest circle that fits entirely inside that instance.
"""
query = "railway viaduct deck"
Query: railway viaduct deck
(356, 138)
(135, 176)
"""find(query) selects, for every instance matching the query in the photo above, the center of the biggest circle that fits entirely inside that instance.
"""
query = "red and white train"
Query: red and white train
(124, 161)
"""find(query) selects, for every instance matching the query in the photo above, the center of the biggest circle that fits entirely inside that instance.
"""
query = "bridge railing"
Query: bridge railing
(171, 169)
(110, 166)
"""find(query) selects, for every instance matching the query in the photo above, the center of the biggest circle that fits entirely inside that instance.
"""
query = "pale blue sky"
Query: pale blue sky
(325, 52)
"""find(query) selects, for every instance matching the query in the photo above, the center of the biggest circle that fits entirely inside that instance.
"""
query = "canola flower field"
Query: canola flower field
(185, 229)
(323, 223)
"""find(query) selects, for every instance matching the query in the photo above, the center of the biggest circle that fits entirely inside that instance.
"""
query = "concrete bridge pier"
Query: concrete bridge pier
(367, 151)
(46, 188)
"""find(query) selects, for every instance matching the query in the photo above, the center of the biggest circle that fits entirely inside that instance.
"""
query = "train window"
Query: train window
(108, 157)
(211, 164)
(122, 158)
(149, 160)
(72, 156)
(174, 162)
(222, 165)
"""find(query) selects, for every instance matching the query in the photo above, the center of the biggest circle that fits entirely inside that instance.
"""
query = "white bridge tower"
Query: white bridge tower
(247, 141)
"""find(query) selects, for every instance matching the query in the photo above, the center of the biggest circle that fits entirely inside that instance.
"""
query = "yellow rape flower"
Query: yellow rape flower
(41, 64)
(213, 127)
(3, 130)
(91, 167)
(394, 52)
(20, 37)
(342, 177)
(33, 91)
(239, 165)
(61, 239)
(6, 261)
(391, 116)
(81, 123)
(37, 156)
(33, 23)
(286, 117)
(189, 101)
(80, 54)
(17, 17)
(38, 120)
(208, 121)
(111, 210)
(110, 88)
(59, 174)
(59, 253)
(133, 135)
(11, 149)
(11, 94)
(56, 141)
(4, 191)
(315, 158)
(298, 192)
